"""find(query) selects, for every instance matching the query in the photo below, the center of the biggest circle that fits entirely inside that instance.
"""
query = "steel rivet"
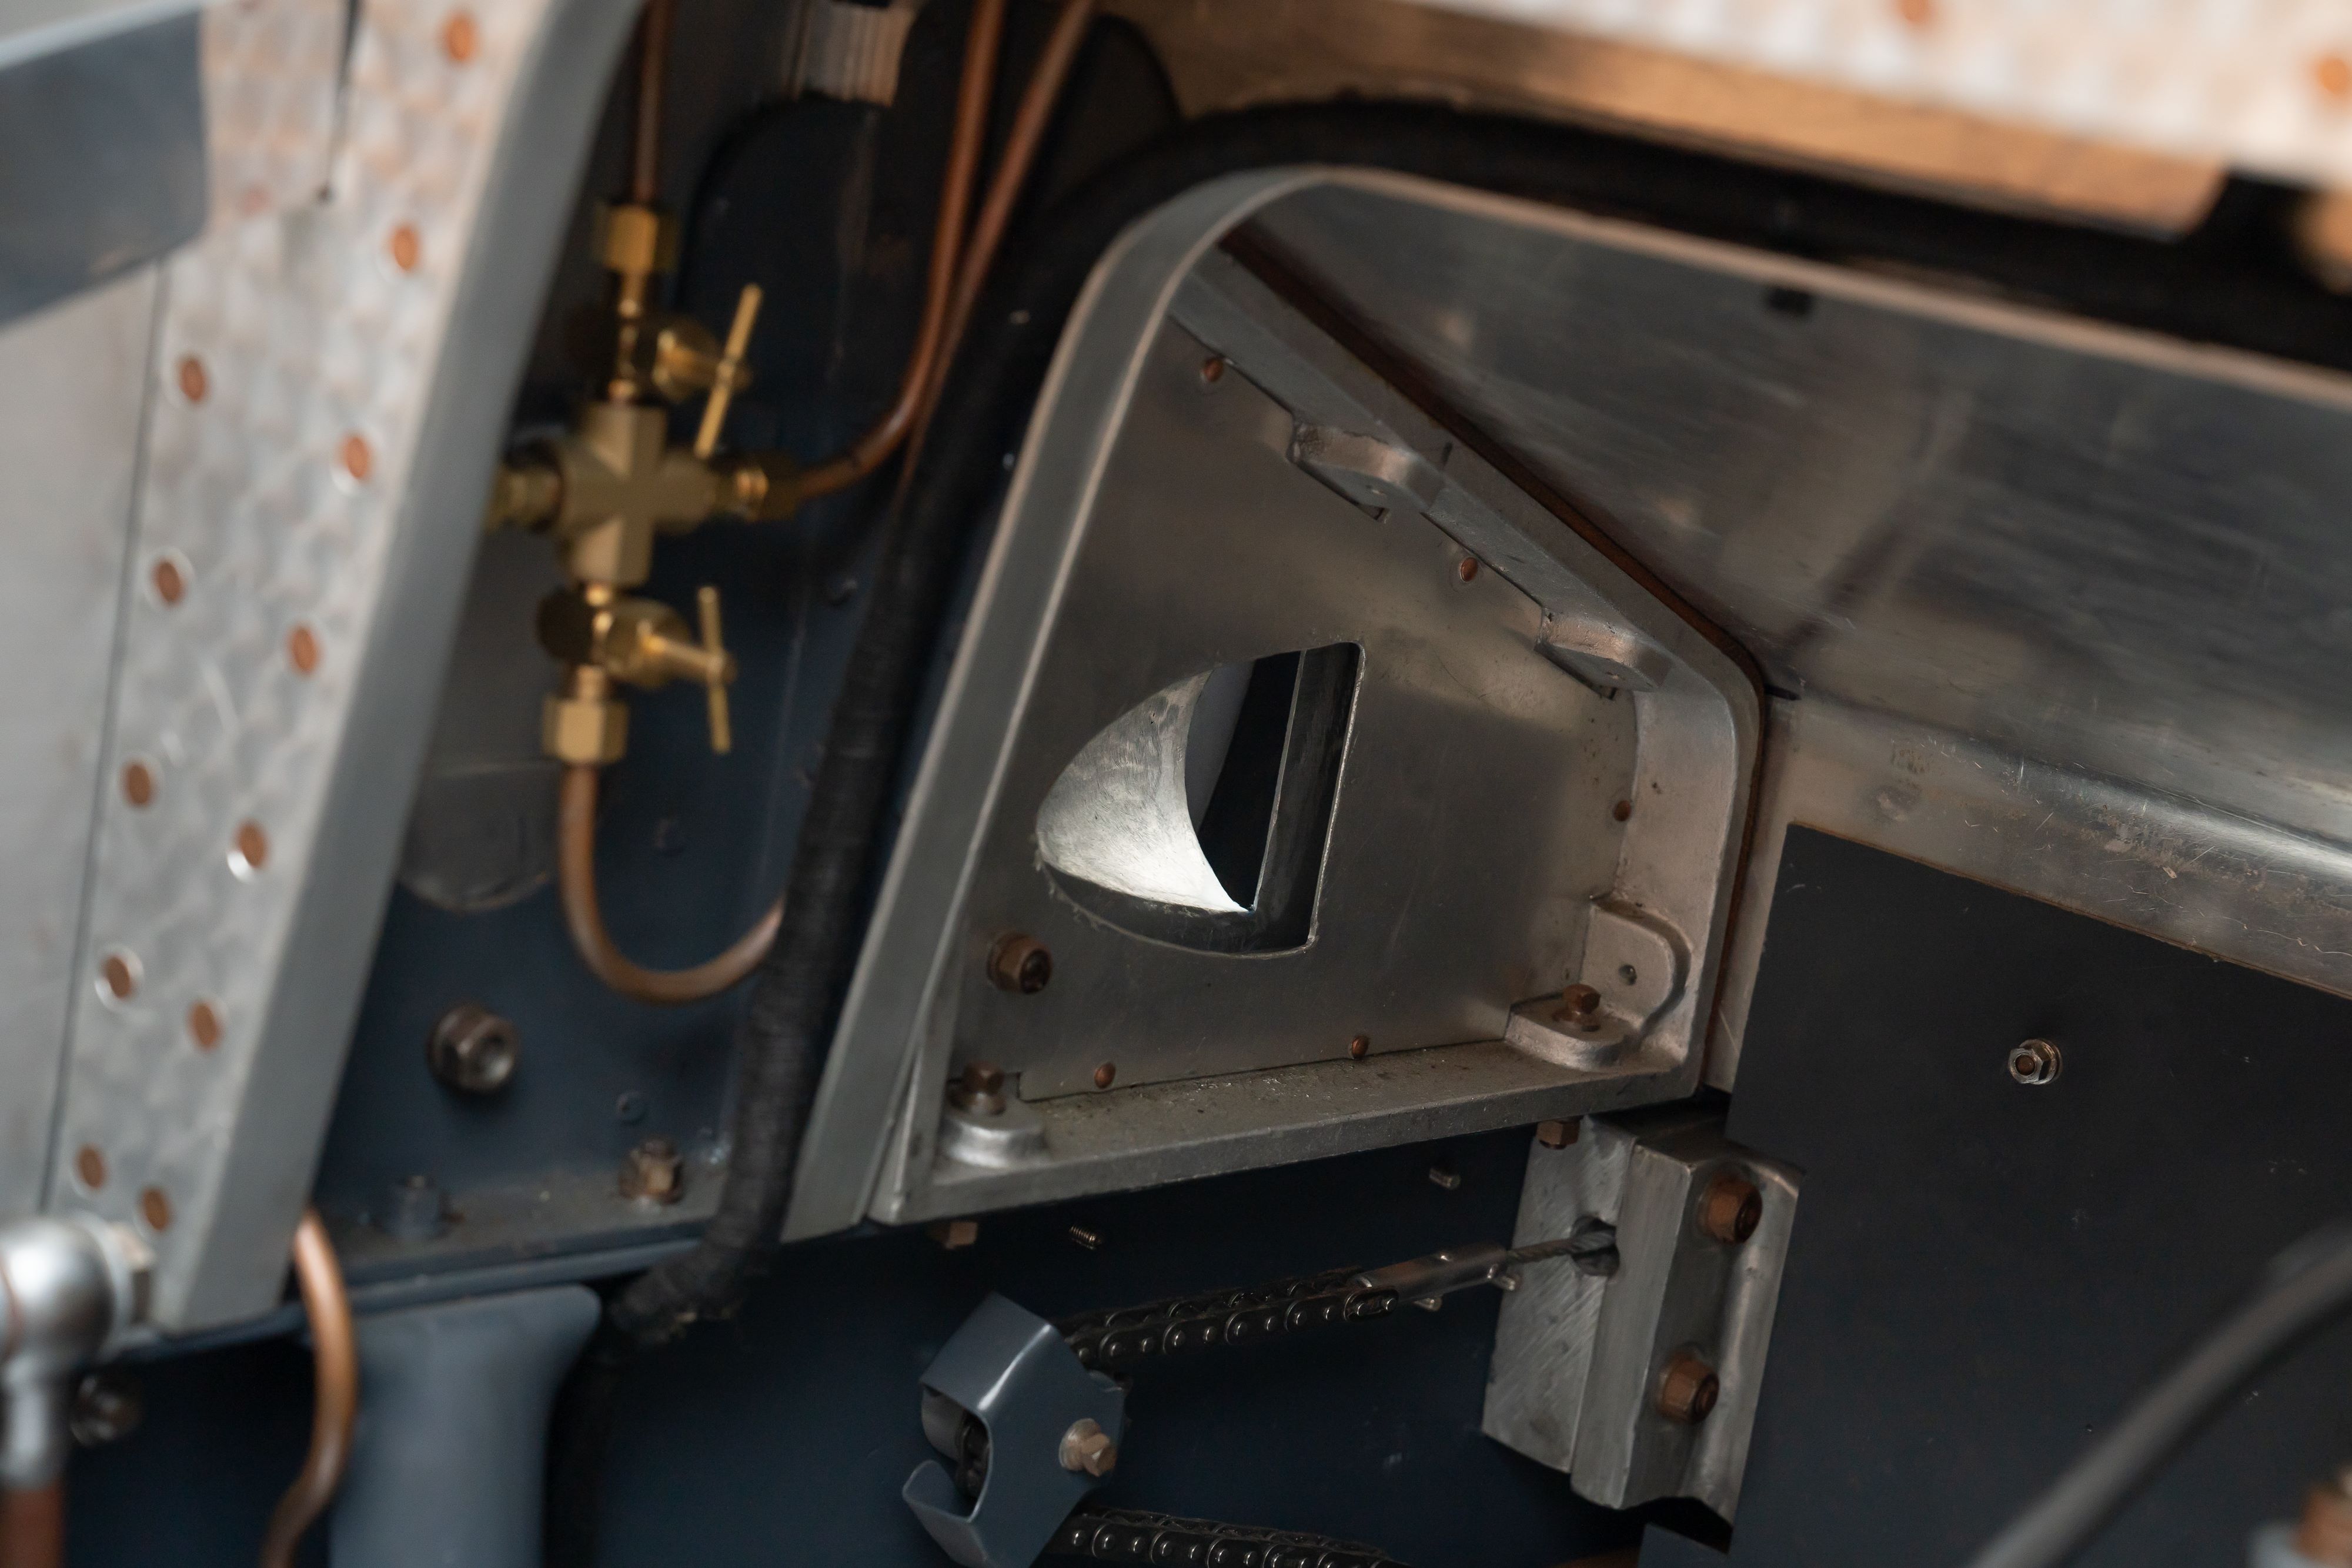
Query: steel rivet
(119, 974)
(357, 459)
(1360, 1047)
(1105, 1073)
(171, 582)
(2334, 74)
(302, 649)
(204, 1025)
(89, 1165)
(1468, 568)
(155, 1209)
(459, 37)
(406, 247)
(251, 850)
(194, 382)
(138, 783)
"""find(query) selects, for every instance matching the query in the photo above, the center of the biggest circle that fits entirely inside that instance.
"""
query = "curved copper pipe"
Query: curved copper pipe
(33, 1527)
(575, 836)
(868, 451)
(336, 1404)
(1038, 102)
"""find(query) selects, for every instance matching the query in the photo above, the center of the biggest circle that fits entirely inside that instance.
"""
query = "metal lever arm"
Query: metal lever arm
(728, 374)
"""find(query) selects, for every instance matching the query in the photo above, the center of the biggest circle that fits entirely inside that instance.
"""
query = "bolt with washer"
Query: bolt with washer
(473, 1049)
(1020, 964)
(1580, 1007)
(654, 1173)
(2035, 1063)
(980, 1090)
(1087, 1450)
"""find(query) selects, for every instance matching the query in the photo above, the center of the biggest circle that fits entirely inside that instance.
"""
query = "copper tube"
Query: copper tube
(644, 135)
(33, 1527)
(336, 1404)
(868, 451)
(576, 877)
(1035, 112)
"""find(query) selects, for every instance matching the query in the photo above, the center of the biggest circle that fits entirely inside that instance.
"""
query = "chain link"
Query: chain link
(1132, 1535)
(1126, 1338)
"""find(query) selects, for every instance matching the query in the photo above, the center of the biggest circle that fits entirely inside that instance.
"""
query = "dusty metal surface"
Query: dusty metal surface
(328, 386)
(2054, 604)
(1423, 939)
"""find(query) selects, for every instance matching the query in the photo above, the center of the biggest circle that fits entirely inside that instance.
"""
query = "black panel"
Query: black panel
(1984, 1273)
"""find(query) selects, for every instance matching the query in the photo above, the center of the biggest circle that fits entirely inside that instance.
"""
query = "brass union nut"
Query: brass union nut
(636, 239)
(592, 730)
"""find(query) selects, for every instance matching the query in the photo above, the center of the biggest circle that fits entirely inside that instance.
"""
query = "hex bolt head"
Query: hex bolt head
(1019, 964)
(1687, 1389)
(473, 1049)
(1580, 1006)
(981, 1089)
(1087, 1450)
(652, 1172)
(1556, 1134)
(1730, 1209)
(2035, 1062)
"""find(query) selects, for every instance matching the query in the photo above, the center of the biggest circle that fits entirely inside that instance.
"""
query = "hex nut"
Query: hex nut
(1687, 1389)
(2035, 1062)
(636, 238)
(583, 731)
(980, 1090)
(1019, 964)
(1087, 1450)
(1580, 1005)
(1730, 1209)
(1556, 1134)
(472, 1049)
(652, 1172)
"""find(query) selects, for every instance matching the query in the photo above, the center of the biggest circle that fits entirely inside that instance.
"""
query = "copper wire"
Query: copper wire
(335, 1405)
(33, 1526)
(653, 66)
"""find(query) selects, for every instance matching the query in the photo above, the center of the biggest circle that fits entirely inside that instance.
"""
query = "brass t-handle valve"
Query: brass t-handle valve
(639, 641)
(724, 378)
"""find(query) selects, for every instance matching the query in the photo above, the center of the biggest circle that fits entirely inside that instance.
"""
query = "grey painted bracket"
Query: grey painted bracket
(1013, 1370)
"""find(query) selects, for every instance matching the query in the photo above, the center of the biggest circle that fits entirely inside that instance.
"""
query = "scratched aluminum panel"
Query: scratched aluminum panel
(271, 69)
(329, 389)
(2264, 85)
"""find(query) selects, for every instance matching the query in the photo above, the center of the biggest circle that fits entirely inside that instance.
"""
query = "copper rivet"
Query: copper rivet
(204, 1025)
(1104, 1074)
(357, 459)
(459, 38)
(252, 846)
(121, 979)
(407, 248)
(1359, 1045)
(194, 382)
(138, 784)
(1918, 13)
(155, 1209)
(1468, 568)
(171, 584)
(1621, 809)
(1213, 368)
(302, 649)
(2334, 74)
(254, 201)
(90, 1165)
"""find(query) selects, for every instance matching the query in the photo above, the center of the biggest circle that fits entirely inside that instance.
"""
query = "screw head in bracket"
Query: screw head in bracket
(472, 1049)
(1730, 1209)
(2035, 1062)
(1687, 1389)
(1087, 1450)
(1580, 1007)
(1019, 964)
(107, 1406)
(652, 1172)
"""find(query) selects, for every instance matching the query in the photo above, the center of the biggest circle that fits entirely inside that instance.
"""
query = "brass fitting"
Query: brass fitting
(635, 239)
(586, 725)
(639, 641)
